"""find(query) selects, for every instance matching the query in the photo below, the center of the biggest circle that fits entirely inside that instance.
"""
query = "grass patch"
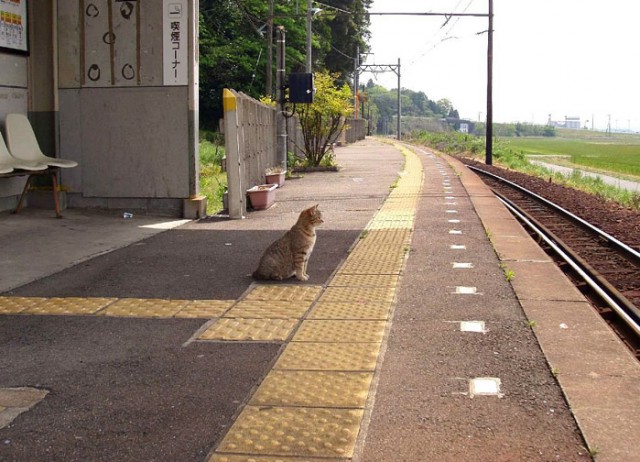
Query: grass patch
(619, 153)
(615, 156)
(213, 182)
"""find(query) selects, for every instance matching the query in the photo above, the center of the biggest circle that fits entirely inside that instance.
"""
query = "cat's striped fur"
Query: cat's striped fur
(288, 256)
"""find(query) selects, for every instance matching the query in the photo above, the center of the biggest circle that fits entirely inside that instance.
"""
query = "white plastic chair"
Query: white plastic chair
(8, 163)
(5, 165)
(24, 146)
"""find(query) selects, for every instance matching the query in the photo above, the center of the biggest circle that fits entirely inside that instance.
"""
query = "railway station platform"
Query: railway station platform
(432, 328)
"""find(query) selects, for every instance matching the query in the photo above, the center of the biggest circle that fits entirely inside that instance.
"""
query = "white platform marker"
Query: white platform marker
(458, 247)
(463, 290)
(459, 265)
(454, 220)
(473, 326)
(487, 386)
(455, 231)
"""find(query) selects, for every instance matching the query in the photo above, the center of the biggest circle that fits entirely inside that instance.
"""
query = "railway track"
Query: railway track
(606, 270)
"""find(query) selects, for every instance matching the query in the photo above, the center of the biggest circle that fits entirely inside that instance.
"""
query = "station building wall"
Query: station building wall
(112, 85)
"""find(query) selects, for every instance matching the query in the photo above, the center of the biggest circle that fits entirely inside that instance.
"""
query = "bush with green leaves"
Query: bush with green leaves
(323, 120)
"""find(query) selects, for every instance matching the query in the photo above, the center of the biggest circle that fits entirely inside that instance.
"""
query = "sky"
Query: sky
(574, 58)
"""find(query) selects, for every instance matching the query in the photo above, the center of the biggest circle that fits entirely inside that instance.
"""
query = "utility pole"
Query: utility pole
(281, 121)
(489, 129)
(356, 80)
(269, 83)
(399, 105)
(309, 17)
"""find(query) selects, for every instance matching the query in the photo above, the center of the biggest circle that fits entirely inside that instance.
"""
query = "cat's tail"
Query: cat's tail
(259, 276)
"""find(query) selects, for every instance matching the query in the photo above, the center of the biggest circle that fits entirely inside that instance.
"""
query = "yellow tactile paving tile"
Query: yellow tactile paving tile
(15, 305)
(358, 294)
(378, 252)
(371, 249)
(270, 292)
(389, 224)
(69, 306)
(329, 357)
(313, 389)
(145, 308)
(255, 458)
(371, 267)
(395, 215)
(250, 329)
(387, 236)
(206, 309)
(291, 431)
(359, 280)
(277, 309)
(331, 310)
(338, 330)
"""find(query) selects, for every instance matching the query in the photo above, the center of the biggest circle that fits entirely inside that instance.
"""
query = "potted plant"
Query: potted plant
(262, 196)
(275, 175)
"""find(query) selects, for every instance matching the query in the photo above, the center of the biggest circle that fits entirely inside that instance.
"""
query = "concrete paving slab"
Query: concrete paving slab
(536, 280)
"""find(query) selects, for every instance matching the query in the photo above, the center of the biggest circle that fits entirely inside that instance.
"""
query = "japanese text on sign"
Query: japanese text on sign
(175, 36)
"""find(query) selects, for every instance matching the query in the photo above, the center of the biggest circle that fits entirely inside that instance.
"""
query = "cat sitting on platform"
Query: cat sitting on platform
(289, 255)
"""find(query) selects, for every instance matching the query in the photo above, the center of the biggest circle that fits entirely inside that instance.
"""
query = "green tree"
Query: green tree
(233, 44)
(341, 30)
(323, 120)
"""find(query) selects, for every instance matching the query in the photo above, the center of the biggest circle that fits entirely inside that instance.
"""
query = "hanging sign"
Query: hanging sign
(175, 40)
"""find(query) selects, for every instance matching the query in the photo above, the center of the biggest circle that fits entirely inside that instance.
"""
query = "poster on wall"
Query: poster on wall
(175, 33)
(13, 26)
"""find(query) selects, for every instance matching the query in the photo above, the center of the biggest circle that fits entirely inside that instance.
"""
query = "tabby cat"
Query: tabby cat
(288, 256)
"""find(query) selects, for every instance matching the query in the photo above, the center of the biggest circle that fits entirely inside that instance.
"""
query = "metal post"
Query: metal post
(269, 83)
(356, 74)
(489, 128)
(281, 122)
(399, 105)
(309, 17)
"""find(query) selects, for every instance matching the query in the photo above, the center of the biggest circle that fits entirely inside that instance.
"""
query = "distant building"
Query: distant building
(460, 125)
(568, 122)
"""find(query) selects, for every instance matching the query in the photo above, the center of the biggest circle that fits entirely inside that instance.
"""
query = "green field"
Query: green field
(595, 151)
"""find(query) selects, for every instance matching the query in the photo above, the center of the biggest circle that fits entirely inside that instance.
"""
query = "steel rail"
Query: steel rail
(630, 251)
(584, 274)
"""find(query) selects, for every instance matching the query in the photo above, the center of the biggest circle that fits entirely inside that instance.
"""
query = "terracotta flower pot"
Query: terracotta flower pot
(276, 178)
(262, 196)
